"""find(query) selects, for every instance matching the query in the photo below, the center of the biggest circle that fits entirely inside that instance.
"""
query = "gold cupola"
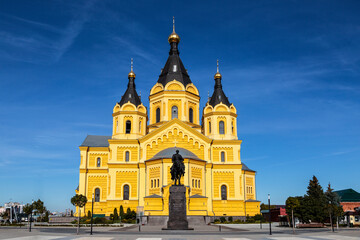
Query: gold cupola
(173, 37)
(131, 73)
(217, 74)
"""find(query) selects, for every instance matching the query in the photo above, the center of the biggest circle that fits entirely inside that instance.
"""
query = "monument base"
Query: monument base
(177, 209)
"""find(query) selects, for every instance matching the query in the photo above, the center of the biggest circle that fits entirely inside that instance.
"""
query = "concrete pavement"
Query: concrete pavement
(154, 233)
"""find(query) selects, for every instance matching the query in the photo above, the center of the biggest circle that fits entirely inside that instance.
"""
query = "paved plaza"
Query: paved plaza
(234, 232)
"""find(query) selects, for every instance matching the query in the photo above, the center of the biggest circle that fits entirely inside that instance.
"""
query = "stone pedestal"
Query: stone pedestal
(177, 209)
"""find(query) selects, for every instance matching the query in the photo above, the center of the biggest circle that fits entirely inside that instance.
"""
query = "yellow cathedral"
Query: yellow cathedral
(132, 166)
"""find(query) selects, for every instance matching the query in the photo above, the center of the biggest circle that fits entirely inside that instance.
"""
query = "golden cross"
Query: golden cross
(173, 23)
(175, 142)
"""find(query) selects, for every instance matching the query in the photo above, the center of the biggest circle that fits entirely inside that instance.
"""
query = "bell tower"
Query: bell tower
(129, 115)
(219, 115)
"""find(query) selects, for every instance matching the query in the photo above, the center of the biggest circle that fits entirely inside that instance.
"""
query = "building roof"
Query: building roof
(218, 94)
(153, 196)
(245, 168)
(169, 152)
(174, 68)
(130, 94)
(348, 195)
(197, 196)
(252, 200)
(96, 141)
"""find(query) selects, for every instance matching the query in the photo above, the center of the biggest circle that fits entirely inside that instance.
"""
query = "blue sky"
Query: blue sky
(291, 68)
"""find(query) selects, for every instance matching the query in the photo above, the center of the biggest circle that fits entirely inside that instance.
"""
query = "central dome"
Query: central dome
(169, 152)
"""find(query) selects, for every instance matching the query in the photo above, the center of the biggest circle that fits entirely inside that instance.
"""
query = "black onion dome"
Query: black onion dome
(218, 95)
(130, 93)
(174, 68)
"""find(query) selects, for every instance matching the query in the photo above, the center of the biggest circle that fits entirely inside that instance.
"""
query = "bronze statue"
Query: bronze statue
(178, 168)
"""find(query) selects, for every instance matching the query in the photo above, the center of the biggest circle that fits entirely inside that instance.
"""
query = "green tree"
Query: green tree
(122, 212)
(79, 201)
(28, 208)
(46, 217)
(292, 204)
(39, 206)
(314, 204)
(116, 216)
(334, 208)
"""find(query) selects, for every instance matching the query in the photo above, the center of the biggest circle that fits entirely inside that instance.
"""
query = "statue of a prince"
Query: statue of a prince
(178, 168)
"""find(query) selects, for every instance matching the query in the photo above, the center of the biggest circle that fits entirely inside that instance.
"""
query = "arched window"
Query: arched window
(158, 115)
(128, 126)
(209, 127)
(140, 127)
(223, 192)
(98, 162)
(222, 156)
(221, 127)
(127, 156)
(126, 192)
(191, 113)
(199, 183)
(232, 127)
(97, 195)
(152, 182)
(193, 183)
(158, 183)
(174, 112)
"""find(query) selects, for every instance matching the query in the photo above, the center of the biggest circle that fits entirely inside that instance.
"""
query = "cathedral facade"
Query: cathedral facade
(132, 166)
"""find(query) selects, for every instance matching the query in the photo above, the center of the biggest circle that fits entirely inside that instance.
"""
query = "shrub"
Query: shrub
(100, 220)
(237, 221)
(230, 219)
(216, 220)
(222, 219)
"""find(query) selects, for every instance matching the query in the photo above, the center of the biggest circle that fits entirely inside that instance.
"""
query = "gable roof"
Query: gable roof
(153, 196)
(96, 141)
(170, 123)
(197, 196)
(245, 168)
(348, 195)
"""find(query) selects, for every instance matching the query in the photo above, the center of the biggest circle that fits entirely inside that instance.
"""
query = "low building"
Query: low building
(350, 201)
(278, 214)
(15, 211)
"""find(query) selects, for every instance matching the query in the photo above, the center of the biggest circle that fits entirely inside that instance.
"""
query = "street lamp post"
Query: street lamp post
(269, 214)
(92, 213)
